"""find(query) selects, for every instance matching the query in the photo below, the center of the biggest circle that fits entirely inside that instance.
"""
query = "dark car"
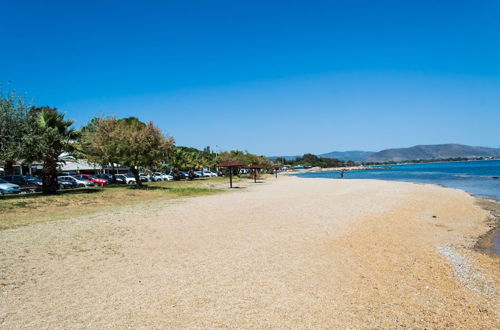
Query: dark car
(66, 184)
(26, 182)
(177, 175)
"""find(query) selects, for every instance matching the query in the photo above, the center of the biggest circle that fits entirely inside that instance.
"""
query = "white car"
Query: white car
(80, 183)
(166, 177)
(126, 178)
(209, 174)
(157, 176)
(145, 177)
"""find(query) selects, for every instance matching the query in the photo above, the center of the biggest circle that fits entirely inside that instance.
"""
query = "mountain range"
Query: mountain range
(432, 152)
(418, 152)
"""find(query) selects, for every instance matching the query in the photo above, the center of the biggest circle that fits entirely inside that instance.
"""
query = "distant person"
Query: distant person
(341, 174)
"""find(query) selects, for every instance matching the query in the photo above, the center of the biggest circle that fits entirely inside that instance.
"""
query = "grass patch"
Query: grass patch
(26, 209)
(193, 191)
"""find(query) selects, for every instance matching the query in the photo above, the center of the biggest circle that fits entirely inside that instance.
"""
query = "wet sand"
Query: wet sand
(490, 242)
(288, 253)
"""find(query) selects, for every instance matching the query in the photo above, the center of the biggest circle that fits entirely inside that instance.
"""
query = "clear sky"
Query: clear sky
(270, 77)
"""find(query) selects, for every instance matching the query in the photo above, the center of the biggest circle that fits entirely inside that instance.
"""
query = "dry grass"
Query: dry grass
(20, 210)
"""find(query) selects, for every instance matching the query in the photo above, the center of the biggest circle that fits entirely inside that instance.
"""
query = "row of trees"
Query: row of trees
(245, 158)
(315, 161)
(42, 134)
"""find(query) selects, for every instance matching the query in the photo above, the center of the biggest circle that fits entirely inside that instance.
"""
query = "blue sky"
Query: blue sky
(270, 77)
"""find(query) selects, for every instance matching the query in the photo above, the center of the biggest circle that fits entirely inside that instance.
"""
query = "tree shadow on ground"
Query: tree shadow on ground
(65, 192)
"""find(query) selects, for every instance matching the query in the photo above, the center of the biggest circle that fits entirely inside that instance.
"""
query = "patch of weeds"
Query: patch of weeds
(79, 249)
(192, 191)
(6, 207)
(20, 204)
(111, 249)
(53, 254)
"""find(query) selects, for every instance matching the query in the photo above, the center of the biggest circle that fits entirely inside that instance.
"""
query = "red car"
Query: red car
(88, 177)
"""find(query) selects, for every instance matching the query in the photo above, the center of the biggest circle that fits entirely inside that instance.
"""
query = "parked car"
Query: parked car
(66, 184)
(167, 177)
(8, 188)
(125, 178)
(177, 175)
(190, 175)
(208, 174)
(105, 176)
(157, 176)
(80, 182)
(26, 182)
(91, 178)
(145, 177)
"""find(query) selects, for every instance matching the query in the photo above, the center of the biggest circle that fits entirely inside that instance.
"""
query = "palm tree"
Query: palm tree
(53, 138)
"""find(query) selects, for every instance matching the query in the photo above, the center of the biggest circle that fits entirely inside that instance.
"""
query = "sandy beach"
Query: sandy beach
(285, 253)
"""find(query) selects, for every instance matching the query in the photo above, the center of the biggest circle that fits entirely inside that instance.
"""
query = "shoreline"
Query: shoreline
(485, 243)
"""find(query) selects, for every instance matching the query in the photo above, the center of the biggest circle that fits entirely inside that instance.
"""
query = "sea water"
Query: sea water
(475, 177)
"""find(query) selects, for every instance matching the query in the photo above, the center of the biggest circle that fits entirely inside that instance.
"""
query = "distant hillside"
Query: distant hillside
(432, 152)
(354, 155)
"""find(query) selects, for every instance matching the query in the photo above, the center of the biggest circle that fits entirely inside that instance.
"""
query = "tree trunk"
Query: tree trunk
(135, 172)
(9, 167)
(113, 174)
(49, 177)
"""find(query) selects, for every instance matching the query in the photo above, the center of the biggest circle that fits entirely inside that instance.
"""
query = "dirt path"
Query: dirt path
(296, 253)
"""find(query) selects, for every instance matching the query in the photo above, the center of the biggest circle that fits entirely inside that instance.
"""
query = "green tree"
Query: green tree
(14, 129)
(51, 140)
(243, 157)
(140, 145)
(100, 141)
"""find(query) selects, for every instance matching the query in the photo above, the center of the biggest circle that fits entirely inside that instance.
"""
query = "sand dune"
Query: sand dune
(287, 253)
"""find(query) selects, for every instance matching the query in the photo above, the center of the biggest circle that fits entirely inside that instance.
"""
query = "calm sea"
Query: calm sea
(473, 176)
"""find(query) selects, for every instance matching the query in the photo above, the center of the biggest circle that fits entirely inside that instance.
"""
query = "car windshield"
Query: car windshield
(3, 181)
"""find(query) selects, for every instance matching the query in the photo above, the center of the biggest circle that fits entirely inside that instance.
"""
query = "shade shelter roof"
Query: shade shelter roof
(255, 167)
(230, 164)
